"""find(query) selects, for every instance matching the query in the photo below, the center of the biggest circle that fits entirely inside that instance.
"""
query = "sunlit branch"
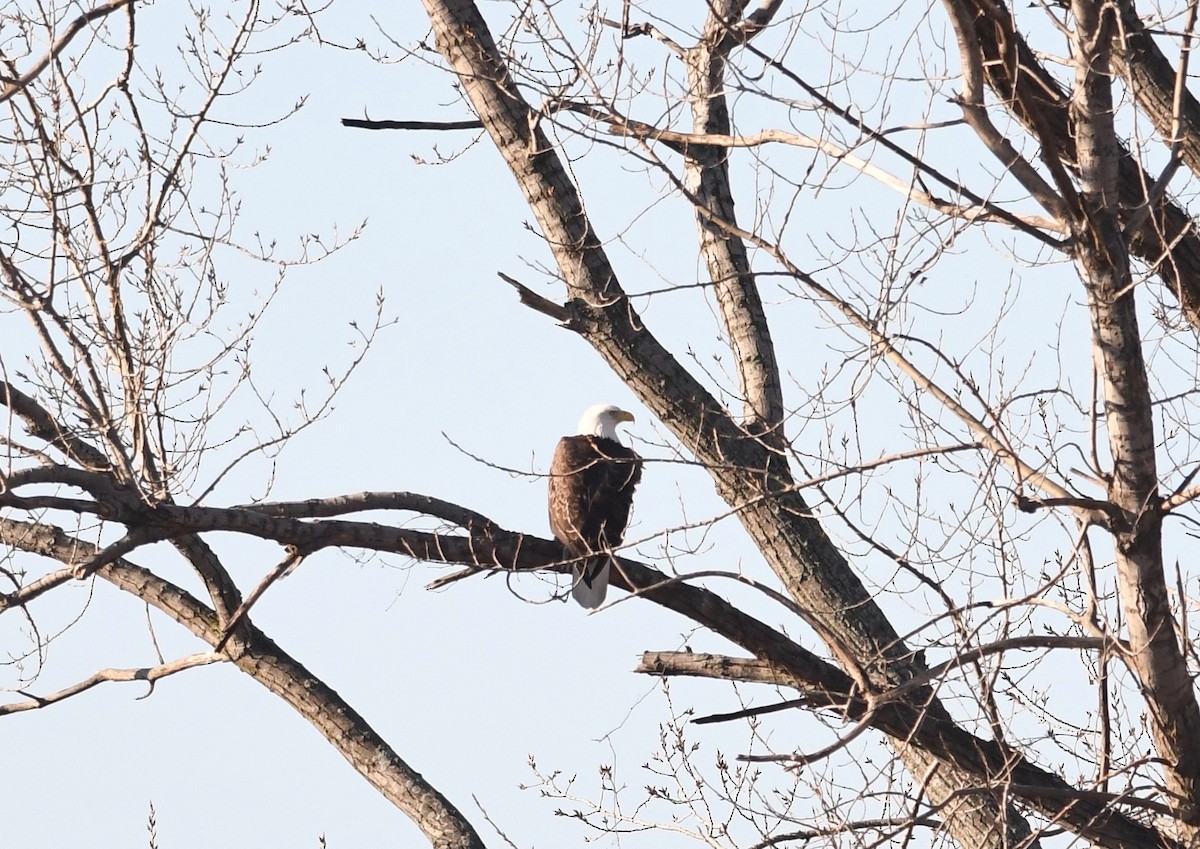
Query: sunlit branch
(884, 343)
(66, 35)
(358, 502)
(1179, 499)
(754, 23)
(682, 142)
(748, 333)
(290, 561)
(705, 665)
(150, 675)
(25, 594)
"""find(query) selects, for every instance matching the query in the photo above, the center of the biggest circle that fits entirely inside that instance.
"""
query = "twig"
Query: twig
(760, 710)
(285, 566)
(800, 759)
(681, 142)
(133, 539)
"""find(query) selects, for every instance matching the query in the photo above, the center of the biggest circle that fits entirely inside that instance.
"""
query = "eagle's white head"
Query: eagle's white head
(602, 420)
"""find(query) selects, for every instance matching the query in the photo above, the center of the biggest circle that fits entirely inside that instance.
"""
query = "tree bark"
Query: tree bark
(1155, 652)
(706, 175)
(1166, 239)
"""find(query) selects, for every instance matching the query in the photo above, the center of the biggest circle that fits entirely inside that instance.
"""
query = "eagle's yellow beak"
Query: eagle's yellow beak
(623, 416)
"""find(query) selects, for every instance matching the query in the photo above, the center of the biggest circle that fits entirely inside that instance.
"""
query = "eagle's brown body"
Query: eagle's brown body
(592, 479)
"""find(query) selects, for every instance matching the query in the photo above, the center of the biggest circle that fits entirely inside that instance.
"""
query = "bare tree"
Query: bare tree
(953, 410)
(118, 212)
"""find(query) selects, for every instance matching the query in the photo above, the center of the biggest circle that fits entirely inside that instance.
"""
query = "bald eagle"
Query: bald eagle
(592, 477)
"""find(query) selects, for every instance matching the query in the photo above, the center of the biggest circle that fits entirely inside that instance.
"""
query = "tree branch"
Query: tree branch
(45, 427)
(366, 124)
(980, 209)
(359, 502)
(149, 674)
(68, 34)
(260, 658)
(706, 176)
(536, 302)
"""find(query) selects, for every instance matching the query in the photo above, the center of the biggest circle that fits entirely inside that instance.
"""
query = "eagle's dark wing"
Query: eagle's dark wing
(590, 494)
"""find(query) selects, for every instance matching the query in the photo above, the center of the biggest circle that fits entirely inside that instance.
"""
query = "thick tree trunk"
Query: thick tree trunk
(706, 175)
(1155, 653)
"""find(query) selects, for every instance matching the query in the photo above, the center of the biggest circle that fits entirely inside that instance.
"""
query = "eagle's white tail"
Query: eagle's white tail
(590, 593)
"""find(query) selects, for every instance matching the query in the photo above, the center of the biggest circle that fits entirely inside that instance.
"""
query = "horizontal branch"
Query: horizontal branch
(632, 30)
(1027, 504)
(52, 502)
(149, 674)
(754, 671)
(705, 665)
(507, 550)
(359, 502)
(367, 124)
(759, 710)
